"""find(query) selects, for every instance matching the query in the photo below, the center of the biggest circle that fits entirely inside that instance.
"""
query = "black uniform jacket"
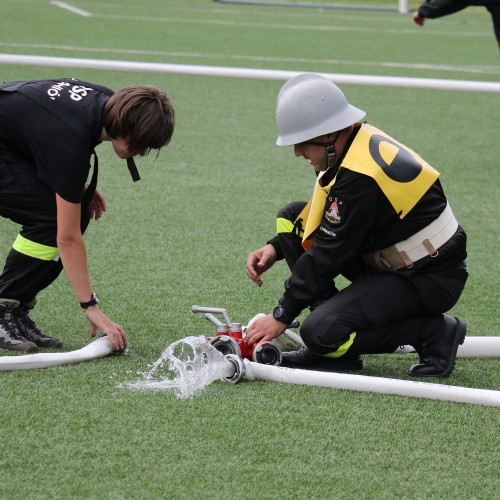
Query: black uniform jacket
(364, 221)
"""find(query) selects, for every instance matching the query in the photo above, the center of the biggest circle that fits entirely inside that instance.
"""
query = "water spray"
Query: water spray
(195, 362)
(187, 367)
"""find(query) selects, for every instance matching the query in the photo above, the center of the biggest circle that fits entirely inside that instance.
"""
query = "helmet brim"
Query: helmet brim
(349, 116)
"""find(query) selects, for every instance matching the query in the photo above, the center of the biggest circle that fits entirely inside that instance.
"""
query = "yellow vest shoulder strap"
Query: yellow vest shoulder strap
(402, 175)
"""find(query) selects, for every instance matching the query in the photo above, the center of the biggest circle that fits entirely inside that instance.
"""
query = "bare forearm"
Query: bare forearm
(74, 258)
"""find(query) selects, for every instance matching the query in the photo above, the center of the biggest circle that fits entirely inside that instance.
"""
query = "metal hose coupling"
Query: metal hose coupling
(268, 353)
(226, 345)
(239, 369)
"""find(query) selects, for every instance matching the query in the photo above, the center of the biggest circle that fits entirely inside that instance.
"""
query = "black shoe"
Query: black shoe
(438, 352)
(10, 335)
(305, 358)
(31, 332)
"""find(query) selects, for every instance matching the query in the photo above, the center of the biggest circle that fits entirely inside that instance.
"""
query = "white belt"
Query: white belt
(428, 240)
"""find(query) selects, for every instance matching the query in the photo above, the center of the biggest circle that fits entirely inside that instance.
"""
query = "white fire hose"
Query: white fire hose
(97, 349)
(473, 347)
(249, 370)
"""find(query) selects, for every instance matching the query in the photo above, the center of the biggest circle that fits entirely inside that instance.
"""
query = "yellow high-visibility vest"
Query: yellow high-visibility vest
(402, 175)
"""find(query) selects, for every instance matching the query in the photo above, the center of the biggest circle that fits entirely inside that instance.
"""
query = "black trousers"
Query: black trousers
(376, 312)
(440, 8)
(494, 9)
(31, 203)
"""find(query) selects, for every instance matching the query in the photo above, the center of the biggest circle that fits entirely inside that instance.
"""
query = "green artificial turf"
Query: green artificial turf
(181, 237)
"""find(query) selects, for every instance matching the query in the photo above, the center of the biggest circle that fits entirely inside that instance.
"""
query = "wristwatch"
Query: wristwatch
(280, 314)
(94, 300)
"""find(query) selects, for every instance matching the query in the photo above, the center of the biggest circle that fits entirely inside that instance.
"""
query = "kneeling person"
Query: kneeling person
(379, 217)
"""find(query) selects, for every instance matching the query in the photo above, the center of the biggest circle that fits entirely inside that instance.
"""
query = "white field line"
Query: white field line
(239, 57)
(331, 16)
(470, 18)
(263, 74)
(275, 26)
(71, 8)
(310, 5)
(384, 17)
(473, 16)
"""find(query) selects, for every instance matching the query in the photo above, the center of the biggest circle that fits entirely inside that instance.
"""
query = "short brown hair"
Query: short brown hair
(141, 114)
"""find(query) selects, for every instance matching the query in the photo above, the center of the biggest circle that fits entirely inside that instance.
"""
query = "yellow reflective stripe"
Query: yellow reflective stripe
(284, 225)
(343, 348)
(35, 250)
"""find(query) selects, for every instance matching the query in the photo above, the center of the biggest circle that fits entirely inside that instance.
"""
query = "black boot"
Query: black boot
(10, 335)
(30, 331)
(305, 358)
(439, 351)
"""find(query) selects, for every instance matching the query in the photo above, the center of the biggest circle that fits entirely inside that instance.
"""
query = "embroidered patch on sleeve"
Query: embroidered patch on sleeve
(334, 210)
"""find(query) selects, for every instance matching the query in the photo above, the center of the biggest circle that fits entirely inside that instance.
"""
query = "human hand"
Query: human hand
(99, 321)
(417, 19)
(264, 329)
(97, 205)
(259, 262)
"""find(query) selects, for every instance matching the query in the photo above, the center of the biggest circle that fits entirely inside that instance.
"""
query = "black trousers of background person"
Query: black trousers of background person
(29, 202)
(494, 9)
(384, 310)
(434, 9)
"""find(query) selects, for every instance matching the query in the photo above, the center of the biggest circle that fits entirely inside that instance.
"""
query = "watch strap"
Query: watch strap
(280, 314)
(94, 300)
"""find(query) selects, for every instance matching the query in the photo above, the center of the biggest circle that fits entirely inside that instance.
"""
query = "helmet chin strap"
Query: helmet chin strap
(331, 154)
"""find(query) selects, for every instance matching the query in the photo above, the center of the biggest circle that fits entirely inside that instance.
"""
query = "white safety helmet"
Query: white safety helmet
(310, 105)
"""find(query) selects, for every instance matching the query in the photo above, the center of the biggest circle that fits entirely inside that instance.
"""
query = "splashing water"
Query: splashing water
(185, 367)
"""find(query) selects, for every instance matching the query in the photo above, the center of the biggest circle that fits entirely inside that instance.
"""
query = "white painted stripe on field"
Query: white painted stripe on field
(71, 8)
(261, 74)
(298, 27)
(480, 69)
(312, 5)
(374, 17)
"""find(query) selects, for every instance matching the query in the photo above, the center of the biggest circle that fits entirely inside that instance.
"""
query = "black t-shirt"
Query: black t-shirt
(54, 125)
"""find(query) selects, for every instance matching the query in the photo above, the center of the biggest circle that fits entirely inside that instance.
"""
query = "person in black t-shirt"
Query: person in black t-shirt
(48, 132)
(379, 217)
